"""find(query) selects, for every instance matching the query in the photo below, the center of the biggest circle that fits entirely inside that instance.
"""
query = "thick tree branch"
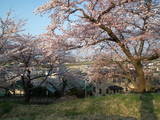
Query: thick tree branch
(140, 50)
(151, 57)
(99, 41)
(106, 11)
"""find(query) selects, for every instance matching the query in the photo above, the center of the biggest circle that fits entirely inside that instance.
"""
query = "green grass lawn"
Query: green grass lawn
(111, 107)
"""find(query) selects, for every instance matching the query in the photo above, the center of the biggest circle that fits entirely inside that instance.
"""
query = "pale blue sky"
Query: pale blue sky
(23, 9)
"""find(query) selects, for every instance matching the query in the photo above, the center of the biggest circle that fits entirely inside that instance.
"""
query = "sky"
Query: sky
(23, 9)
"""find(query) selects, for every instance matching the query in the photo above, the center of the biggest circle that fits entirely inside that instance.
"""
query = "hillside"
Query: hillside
(111, 107)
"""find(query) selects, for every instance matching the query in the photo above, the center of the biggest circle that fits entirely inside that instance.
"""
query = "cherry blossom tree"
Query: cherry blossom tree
(34, 59)
(9, 31)
(23, 57)
(130, 28)
(53, 49)
(25, 61)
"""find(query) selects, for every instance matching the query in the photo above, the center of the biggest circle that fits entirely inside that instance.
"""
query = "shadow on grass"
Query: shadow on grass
(5, 108)
(147, 107)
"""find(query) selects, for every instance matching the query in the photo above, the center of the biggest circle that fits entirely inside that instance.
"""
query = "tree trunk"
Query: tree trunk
(140, 78)
(26, 91)
(64, 84)
(26, 88)
(27, 95)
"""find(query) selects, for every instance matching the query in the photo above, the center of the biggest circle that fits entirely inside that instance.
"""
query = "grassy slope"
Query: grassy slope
(112, 107)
